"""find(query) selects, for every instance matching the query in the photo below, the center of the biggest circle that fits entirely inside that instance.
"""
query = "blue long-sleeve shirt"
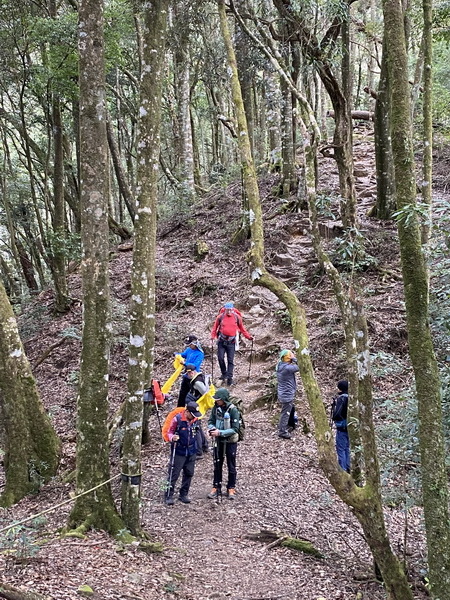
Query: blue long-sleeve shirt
(193, 356)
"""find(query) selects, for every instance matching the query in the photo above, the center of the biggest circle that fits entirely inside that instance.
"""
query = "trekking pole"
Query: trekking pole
(158, 415)
(172, 460)
(250, 363)
(216, 470)
(212, 360)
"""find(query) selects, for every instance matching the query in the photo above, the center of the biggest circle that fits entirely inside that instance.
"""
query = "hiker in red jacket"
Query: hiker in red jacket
(226, 327)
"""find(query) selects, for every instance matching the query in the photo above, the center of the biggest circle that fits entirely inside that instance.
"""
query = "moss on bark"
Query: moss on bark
(32, 447)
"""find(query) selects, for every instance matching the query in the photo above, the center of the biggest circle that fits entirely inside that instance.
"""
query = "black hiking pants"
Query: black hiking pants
(185, 464)
(184, 389)
(228, 349)
(221, 450)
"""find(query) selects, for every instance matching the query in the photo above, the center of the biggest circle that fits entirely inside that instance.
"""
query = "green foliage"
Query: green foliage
(324, 203)
(67, 244)
(398, 442)
(412, 214)
(19, 543)
(71, 332)
(348, 252)
(74, 378)
(33, 320)
(284, 318)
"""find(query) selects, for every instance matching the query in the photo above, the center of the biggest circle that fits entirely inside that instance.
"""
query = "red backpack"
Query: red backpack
(236, 314)
(154, 395)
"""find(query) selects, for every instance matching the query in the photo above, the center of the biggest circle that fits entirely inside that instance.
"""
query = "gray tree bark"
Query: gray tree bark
(92, 461)
(32, 447)
(415, 281)
(142, 309)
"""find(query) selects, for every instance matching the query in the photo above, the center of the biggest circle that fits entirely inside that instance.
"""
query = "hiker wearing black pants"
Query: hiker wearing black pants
(192, 355)
(287, 386)
(223, 427)
(182, 434)
(226, 328)
(197, 388)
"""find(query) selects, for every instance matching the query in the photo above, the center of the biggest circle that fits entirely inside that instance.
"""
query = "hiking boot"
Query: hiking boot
(285, 436)
(231, 493)
(170, 501)
(230, 382)
(184, 499)
(212, 494)
(199, 457)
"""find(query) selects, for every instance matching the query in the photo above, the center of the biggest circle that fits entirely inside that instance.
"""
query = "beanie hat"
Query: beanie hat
(343, 386)
(222, 394)
(228, 305)
(283, 353)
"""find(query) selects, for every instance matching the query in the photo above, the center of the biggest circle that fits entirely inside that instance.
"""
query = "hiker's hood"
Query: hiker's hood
(222, 394)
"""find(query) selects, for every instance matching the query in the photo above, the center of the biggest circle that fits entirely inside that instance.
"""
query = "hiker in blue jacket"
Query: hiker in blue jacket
(339, 416)
(193, 355)
(287, 387)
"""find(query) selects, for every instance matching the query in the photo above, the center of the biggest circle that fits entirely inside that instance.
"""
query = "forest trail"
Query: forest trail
(280, 485)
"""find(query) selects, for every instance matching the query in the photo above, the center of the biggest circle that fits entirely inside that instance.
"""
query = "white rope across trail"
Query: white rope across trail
(47, 510)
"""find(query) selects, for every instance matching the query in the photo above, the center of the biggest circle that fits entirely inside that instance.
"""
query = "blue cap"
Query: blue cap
(228, 305)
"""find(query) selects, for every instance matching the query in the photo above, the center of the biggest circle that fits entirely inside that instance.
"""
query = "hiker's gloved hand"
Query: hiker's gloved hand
(175, 438)
(214, 432)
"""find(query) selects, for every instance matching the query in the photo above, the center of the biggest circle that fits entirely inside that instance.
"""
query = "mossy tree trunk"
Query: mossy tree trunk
(92, 462)
(427, 111)
(142, 310)
(415, 281)
(32, 446)
(366, 501)
(385, 204)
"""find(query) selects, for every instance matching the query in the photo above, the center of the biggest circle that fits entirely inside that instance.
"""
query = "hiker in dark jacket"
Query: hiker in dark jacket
(287, 386)
(197, 388)
(183, 436)
(227, 326)
(339, 416)
(223, 427)
(193, 355)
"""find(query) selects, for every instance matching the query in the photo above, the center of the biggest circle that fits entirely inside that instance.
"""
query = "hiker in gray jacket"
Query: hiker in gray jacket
(287, 386)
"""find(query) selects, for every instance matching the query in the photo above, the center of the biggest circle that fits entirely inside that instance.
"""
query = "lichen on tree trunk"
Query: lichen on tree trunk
(32, 447)
(415, 282)
(92, 461)
(142, 308)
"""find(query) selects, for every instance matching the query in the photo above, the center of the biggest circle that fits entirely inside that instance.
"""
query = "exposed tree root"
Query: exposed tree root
(275, 538)
(8, 592)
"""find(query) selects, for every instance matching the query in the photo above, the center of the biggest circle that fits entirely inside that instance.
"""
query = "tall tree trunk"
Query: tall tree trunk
(32, 447)
(58, 243)
(366, 501)
(58, 258)
(142, 310)
(385, 205)
(288, 179)
(427, 103)
(92, 463)
(182, 74)
(415, 281)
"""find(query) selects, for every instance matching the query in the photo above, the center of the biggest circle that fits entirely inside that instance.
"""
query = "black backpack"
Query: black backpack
(339, 411)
